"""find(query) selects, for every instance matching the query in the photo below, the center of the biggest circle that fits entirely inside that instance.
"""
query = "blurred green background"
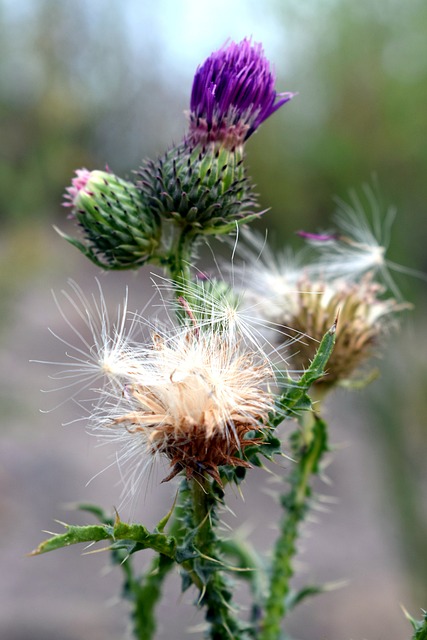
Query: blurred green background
(90, 83)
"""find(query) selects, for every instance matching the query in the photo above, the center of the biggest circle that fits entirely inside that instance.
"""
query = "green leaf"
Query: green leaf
(131, 533)
(87, 251)
(419, 626)
(296, 597)
(295, 398)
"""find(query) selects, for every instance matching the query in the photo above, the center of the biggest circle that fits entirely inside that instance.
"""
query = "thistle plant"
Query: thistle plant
(206, 390)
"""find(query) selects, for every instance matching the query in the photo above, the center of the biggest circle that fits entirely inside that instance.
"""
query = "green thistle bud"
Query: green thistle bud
(213, 304)
(120, 231)
(205, 189)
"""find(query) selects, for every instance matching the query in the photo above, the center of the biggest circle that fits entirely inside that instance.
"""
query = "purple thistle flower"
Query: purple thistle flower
(233, 93)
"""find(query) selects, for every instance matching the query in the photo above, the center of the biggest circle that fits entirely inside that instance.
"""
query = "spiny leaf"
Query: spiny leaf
(295, 398)
(135, 533)
(419, 626)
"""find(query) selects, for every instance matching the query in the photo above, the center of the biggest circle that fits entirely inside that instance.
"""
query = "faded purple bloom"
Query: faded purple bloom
(233, 93)
(77, 184)
(317, 237)
(202, 276)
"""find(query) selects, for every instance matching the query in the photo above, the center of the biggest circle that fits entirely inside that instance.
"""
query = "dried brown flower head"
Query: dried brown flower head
(195, 399)
(364, 318)
(192, 393)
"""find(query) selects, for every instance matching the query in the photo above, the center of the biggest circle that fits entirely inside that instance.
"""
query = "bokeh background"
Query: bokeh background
(95, 82)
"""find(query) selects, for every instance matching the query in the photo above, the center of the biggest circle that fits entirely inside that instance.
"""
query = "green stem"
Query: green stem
(308, 445)
(203, 501)
(253, 573)
(216, 594)
(146, 591)
(179, 260)
(145, 594)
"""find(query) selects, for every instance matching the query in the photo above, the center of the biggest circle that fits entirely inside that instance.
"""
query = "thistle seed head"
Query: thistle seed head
(197, 401)
(195, 393)
(301, 299)
(305, 308)
(365, 317)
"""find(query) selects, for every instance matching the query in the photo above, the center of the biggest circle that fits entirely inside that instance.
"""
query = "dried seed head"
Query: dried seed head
(364, 318)
(195, 399)
(193, 394)
(302, 304)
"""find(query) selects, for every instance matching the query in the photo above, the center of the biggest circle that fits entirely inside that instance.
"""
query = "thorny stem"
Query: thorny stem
(147, 590)
(215, 596)
(145, 594)
(294, 399)
(201, 495)
(308, 446)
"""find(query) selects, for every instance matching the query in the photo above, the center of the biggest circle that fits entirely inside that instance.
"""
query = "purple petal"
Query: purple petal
(317, 237)
(233, 93)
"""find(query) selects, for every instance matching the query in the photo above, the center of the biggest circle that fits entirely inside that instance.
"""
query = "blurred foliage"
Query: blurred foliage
(361, 72)
(73, 90)
(400, 407)
(77, 90)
